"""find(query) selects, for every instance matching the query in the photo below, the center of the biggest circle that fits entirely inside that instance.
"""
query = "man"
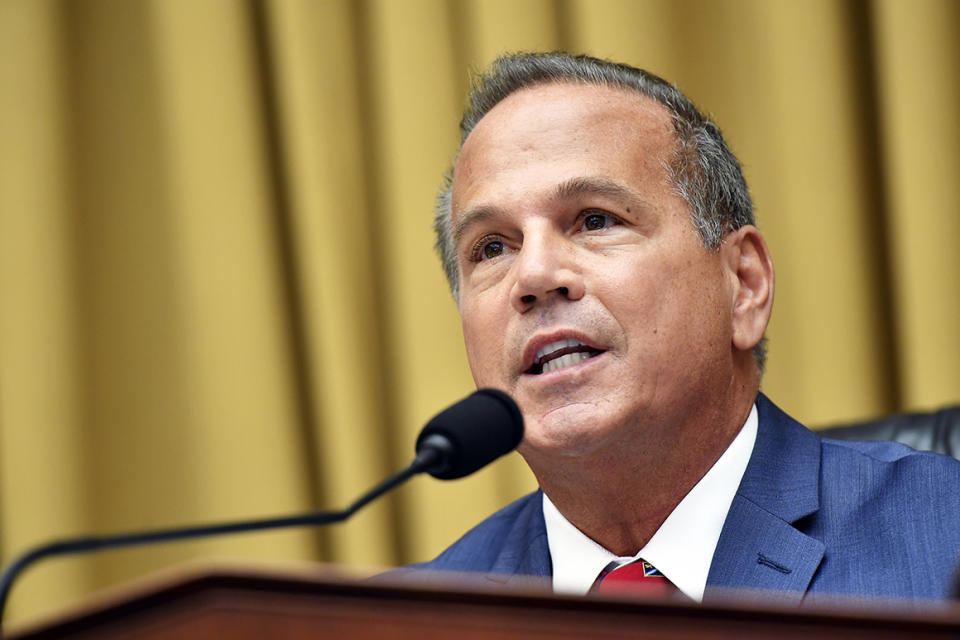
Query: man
(598, 236)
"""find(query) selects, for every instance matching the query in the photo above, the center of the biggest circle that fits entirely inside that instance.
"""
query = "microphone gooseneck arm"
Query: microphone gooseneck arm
(426, 459)
(456, 442)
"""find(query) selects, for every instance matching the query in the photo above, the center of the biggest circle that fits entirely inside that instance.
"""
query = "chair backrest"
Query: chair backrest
(937, 431)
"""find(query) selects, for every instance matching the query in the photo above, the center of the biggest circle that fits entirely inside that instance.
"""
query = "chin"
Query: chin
(572, 430)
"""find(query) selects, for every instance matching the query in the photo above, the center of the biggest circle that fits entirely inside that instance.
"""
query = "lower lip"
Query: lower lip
(574, 369)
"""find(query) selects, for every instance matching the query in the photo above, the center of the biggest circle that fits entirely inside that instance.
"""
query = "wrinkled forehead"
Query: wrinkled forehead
(538, 108)
(558, 123)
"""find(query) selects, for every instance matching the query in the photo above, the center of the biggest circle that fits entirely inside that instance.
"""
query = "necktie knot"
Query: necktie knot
(634, 578)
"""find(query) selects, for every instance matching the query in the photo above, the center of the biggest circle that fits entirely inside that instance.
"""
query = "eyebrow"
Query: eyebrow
(564, 191)
(600, 186)
(469, 218)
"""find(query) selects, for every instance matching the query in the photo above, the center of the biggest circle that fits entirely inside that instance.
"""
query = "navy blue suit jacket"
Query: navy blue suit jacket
(811, 516)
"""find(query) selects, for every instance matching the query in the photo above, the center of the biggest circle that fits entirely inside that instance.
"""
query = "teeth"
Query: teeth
(556, 346)
(567, 360)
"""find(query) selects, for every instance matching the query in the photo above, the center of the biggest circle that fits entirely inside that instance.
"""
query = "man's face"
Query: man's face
(585, 291)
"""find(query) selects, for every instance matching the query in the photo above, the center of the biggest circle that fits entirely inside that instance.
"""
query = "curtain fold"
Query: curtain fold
(219, 293)
(918, 71)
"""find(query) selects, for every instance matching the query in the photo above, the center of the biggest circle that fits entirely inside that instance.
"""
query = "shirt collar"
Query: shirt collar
(682, 548)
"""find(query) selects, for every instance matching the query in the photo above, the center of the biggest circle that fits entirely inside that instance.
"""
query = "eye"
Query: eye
(595, 221)
(487, 248)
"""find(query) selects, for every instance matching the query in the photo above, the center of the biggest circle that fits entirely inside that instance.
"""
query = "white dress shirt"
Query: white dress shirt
(682, 548)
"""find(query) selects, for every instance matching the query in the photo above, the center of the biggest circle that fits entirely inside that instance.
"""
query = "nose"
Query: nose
(545, 269)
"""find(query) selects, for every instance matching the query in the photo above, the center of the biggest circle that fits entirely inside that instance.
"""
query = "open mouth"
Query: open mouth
(560, 354)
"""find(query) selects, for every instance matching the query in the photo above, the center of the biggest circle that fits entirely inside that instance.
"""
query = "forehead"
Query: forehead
(556, 132)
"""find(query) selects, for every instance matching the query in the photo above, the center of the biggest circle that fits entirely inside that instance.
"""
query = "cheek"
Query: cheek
(483, 338)
(666, 304)
(693, 319)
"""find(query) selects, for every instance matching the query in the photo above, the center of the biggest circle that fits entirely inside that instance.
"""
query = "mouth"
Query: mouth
(560, 354)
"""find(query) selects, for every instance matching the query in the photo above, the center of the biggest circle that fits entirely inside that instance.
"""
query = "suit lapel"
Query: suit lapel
(525, 551)
(759, 547)
(767, 555)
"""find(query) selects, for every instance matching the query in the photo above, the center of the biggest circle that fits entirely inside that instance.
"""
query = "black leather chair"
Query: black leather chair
(937, 431)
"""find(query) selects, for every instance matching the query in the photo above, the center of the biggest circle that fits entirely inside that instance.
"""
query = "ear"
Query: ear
(751, 272)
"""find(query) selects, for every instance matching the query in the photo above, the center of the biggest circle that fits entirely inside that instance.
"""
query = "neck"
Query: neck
(620, 495)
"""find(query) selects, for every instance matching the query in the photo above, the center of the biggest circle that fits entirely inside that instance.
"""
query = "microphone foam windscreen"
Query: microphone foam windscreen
(480, 428)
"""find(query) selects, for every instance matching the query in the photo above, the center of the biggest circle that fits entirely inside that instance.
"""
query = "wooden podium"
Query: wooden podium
(229, 604)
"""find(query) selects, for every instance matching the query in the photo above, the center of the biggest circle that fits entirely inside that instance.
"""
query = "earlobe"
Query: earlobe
(752, 269)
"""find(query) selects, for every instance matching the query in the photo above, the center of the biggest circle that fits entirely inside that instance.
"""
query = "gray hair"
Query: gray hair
(704, 171)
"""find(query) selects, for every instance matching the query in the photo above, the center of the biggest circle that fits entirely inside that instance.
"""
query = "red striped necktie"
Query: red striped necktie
(634, 578)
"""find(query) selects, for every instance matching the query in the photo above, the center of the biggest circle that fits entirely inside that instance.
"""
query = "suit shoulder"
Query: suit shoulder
(481, 547)
(893, 454)
(880, 501)
(889, 473)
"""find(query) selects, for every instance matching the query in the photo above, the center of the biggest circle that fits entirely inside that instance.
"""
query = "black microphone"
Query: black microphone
(456, 442)
(472, 433)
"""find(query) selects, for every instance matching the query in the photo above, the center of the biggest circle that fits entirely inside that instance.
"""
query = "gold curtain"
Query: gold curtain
(218, 297)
